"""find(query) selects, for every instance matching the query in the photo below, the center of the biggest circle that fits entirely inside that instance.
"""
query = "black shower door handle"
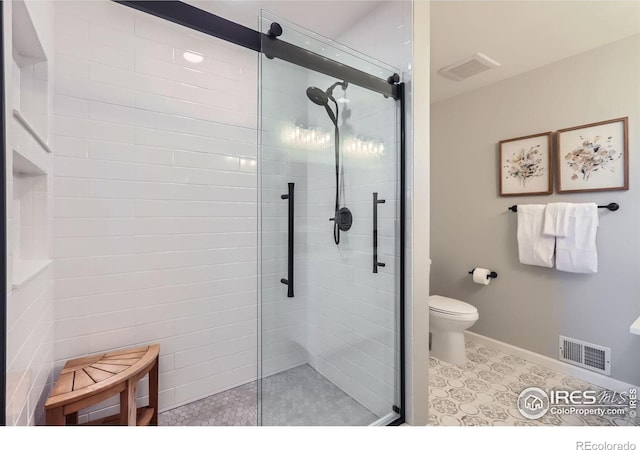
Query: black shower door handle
(289, 280)
(376, 202)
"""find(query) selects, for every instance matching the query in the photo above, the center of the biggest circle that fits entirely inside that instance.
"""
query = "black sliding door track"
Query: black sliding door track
(197, 19)
(205, 22)
(216, 26)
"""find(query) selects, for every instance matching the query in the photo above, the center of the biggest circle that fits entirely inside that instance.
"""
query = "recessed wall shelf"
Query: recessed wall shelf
(32, 131)
(27, 46)
(24, 166)
(26, 269)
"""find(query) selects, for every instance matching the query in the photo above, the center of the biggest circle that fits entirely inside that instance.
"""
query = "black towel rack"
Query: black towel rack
(610, 207)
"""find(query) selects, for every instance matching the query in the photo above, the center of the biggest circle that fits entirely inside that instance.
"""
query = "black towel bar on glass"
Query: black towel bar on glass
(376, 202)
(610, 207)
(290, 255)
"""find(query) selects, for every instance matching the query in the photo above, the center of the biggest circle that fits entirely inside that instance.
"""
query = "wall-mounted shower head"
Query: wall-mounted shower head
(317, 96)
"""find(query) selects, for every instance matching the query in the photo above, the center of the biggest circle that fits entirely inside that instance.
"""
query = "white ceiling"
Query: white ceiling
(521, 35)
(329, 18)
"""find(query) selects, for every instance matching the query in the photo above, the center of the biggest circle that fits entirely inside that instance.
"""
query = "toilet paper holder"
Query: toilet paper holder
(489, 275)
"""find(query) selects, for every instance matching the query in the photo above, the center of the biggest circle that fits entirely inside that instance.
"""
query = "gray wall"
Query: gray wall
(530, 306)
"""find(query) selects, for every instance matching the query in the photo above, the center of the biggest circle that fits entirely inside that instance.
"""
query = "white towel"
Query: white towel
(534, 248)
(576, 251)
(556, 218)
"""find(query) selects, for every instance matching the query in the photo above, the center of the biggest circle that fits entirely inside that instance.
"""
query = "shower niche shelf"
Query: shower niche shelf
(26, 163)
(27, 135)
(29, 219)
(30, 80)
(31, 131)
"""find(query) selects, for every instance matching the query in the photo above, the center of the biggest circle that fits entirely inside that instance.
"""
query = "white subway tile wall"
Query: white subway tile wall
(29, 350)
(155, 198)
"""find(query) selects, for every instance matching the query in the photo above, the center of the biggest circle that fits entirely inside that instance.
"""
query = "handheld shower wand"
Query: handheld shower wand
(343, 218)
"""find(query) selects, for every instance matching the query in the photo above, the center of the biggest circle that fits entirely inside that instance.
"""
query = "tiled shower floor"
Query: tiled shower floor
(485, 390)
(298, 396)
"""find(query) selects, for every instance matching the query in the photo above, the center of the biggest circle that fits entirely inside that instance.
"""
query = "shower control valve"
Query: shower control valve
(343, 219)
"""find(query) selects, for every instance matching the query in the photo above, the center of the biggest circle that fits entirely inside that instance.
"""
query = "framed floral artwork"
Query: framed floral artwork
(594, 157)
(525, 165)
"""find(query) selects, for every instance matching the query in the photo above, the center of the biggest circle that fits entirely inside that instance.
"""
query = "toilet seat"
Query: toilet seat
(449, 307)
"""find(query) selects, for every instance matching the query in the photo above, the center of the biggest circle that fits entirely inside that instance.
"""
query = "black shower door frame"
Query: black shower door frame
(3, 231)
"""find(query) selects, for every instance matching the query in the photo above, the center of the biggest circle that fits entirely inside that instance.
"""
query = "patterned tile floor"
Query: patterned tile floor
(298, 396)
(485, 390)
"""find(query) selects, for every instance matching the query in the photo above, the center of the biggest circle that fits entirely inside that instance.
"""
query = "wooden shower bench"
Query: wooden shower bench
(91, 379)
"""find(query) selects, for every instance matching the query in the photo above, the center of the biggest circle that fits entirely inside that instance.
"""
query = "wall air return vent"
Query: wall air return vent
(468, 67)
(589, 356)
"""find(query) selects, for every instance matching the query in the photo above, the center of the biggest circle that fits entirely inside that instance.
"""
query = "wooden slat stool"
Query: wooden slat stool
(89, 380)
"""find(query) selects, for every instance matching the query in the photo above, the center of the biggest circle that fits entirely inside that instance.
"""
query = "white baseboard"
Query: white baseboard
(553, 364)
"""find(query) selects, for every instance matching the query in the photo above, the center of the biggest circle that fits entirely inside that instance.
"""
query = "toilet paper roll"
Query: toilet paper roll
(480, 276)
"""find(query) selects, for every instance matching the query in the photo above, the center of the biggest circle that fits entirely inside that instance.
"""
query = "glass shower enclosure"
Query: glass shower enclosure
(161, 144)
(330, 233)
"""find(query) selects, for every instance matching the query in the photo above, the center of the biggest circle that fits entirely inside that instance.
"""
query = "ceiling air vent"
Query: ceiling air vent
(468, 67)
(589, 356)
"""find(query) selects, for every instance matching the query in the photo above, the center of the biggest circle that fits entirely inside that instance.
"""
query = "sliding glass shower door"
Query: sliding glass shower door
(329, 231)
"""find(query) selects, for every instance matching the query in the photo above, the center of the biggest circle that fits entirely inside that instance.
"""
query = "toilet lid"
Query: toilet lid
(450, 306)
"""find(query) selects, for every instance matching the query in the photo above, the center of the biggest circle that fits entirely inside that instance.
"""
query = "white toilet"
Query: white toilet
(448, 318)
